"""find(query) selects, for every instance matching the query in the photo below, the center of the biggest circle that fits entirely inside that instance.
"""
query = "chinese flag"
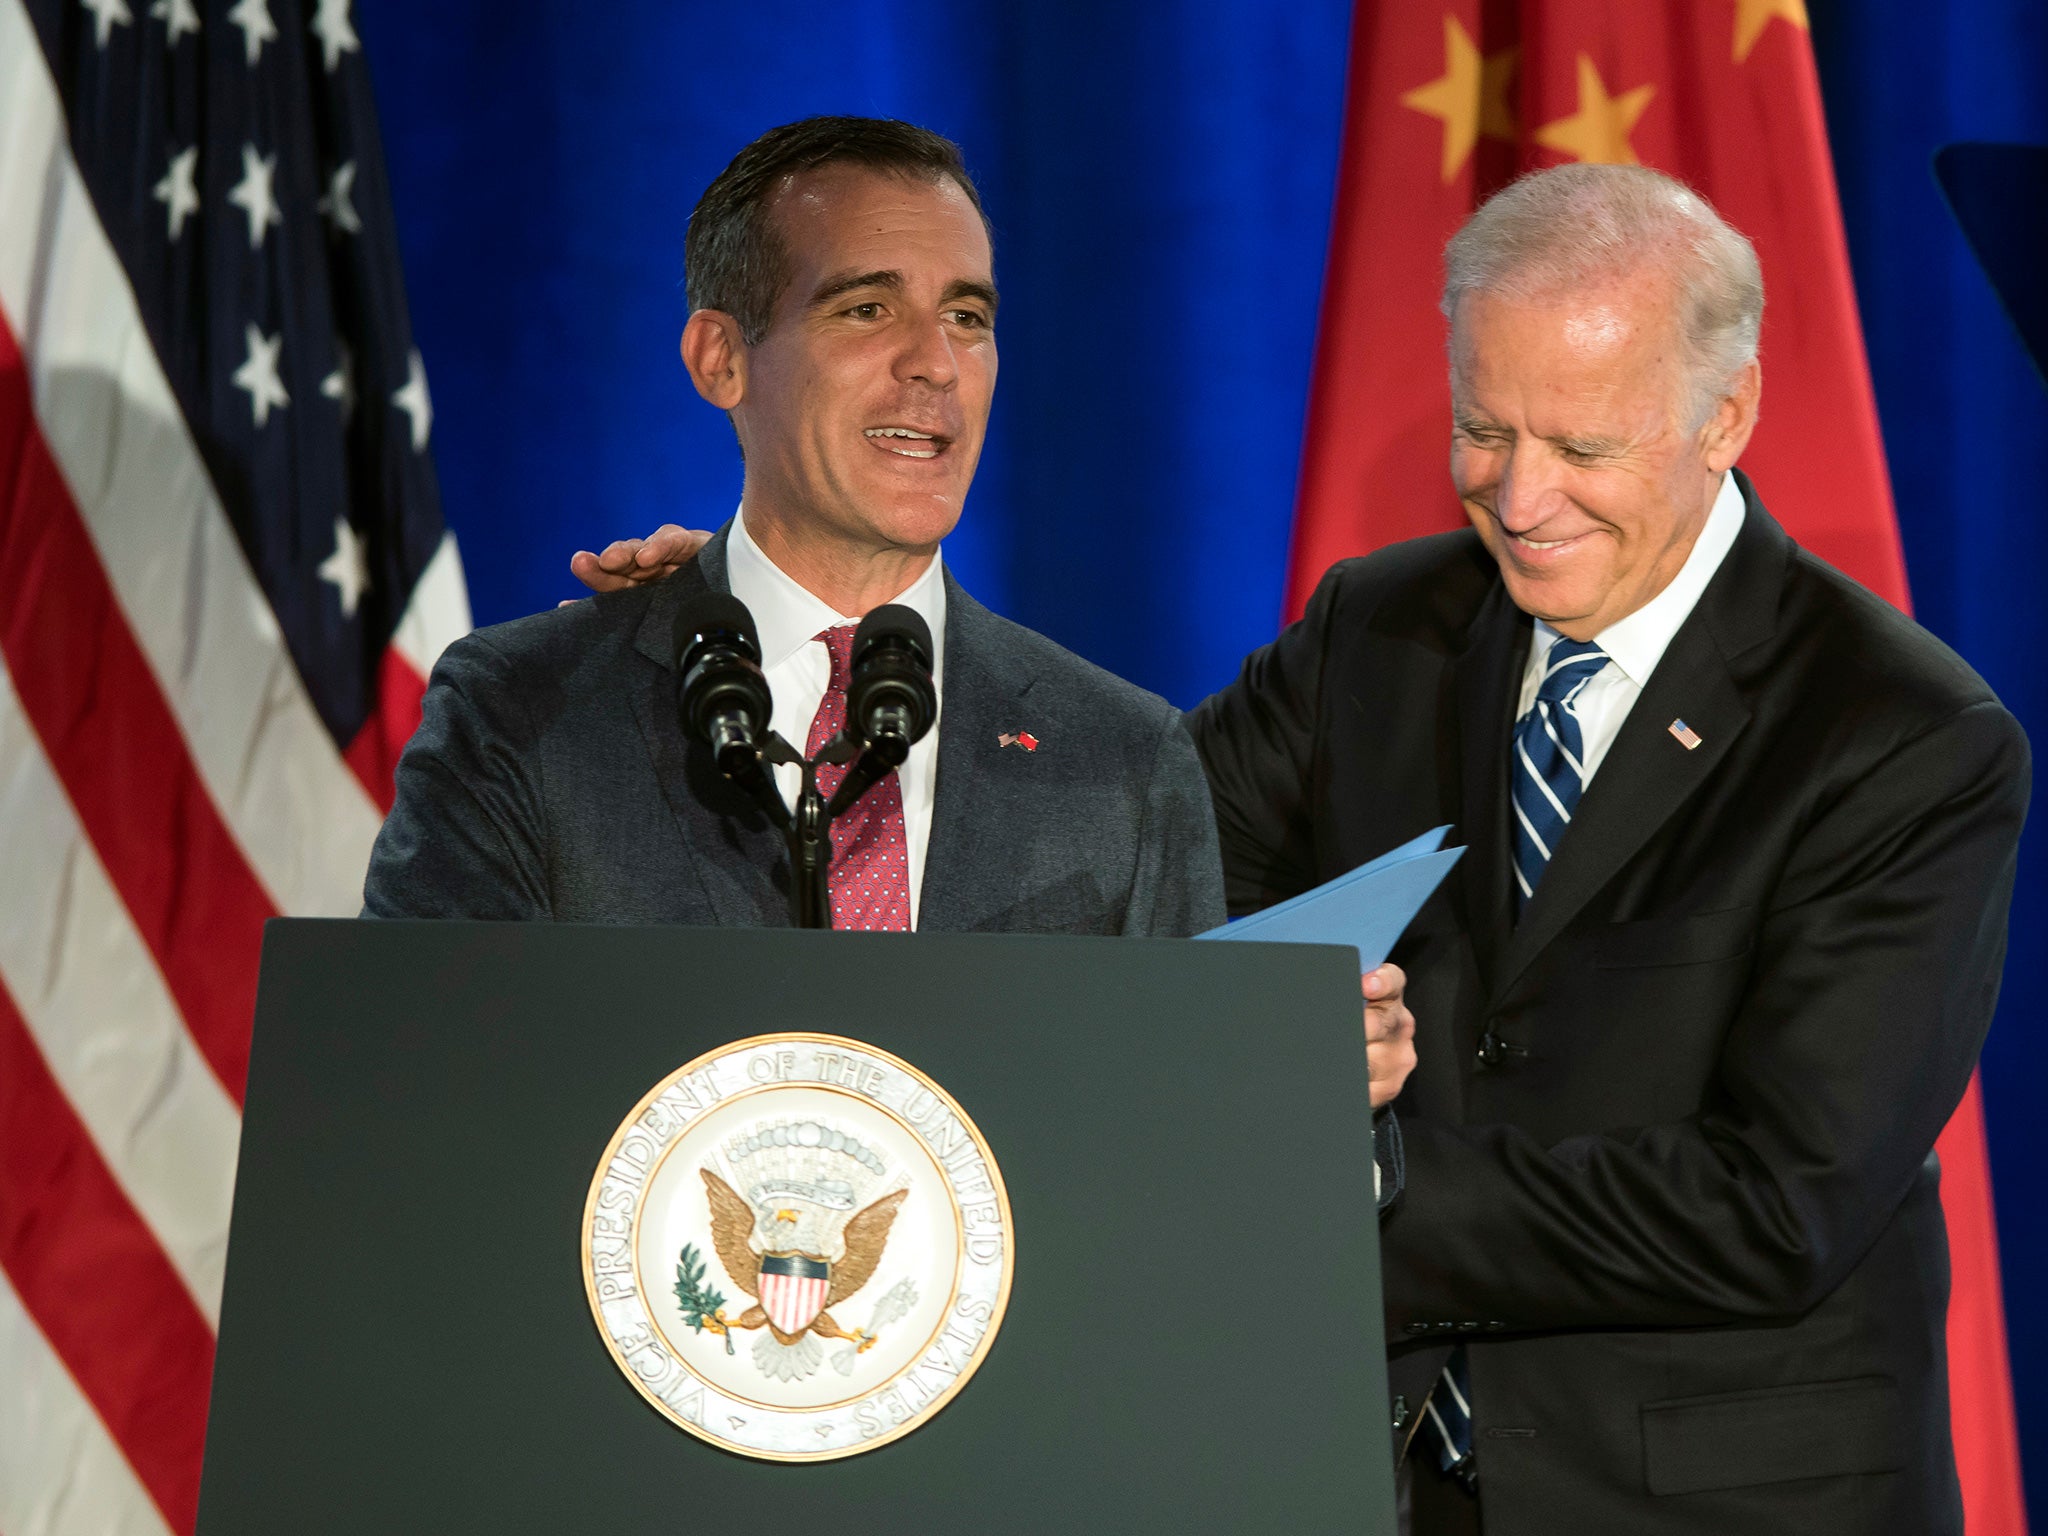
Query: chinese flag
(1449, 102)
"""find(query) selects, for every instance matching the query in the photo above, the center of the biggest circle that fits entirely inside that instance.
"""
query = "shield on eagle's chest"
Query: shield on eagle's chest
(793, 1290)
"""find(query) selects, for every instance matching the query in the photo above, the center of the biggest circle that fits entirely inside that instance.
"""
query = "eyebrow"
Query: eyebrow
(1597, 447)
(846, 282)
(962, 288)
(1474, 421)
(843, 283)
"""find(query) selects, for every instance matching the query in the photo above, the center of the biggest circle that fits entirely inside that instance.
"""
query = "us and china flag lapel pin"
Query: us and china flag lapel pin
(1022, 739)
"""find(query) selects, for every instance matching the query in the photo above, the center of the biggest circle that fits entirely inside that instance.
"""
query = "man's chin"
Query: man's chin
(915, 521)
(1561, 599)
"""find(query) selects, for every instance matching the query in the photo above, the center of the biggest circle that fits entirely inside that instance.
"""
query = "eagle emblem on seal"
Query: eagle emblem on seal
(800, 1228)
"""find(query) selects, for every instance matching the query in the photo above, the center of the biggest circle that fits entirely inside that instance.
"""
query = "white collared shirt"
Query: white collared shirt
(1636, 644)
(788, 620)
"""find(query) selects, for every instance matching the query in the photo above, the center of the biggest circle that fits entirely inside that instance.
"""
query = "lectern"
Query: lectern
(430, 1322)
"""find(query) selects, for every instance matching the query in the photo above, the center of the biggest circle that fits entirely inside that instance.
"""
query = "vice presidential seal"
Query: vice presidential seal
(797, 1247)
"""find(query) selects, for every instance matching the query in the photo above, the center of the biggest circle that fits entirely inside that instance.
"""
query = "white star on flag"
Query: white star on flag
(337, 36)
(336, 205)
(178, 17)
(259, 375)
(348, 567)
(106, 15)
(340, 385)
(254, 194)
(253, 17)
(412, 398)
(177, 191)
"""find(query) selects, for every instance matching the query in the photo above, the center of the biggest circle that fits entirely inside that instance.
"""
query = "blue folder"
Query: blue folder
(1368, 908)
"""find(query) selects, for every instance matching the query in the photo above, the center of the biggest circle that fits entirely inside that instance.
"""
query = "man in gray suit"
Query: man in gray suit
(840, 275)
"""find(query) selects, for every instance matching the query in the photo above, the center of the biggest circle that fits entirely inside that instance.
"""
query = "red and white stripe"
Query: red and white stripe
(165, 786)
(791, 1301)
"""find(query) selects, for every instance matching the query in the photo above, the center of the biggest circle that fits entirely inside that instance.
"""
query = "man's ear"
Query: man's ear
(716, 356)
(1728, 430)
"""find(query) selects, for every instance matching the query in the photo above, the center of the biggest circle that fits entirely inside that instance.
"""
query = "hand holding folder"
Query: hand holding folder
(1368, 908)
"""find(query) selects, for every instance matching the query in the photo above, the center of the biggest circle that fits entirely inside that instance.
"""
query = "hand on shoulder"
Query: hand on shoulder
(636, 562)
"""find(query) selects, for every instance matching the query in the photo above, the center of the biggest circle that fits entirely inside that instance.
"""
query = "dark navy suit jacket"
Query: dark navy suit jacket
(550, 778)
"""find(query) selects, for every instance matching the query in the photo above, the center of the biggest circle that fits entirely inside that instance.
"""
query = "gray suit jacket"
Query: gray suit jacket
(550, 778)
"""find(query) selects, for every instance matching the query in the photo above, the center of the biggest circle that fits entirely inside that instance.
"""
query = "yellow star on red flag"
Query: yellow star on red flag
(1752, 16)
(1470, 97)
(1598, 132)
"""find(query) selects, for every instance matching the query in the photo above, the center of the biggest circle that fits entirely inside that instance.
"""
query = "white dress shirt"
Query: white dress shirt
(788, 620)
(1636, 644)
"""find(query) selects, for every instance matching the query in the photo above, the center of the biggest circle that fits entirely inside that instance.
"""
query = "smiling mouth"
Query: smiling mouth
(1539, 549)
(908, 443)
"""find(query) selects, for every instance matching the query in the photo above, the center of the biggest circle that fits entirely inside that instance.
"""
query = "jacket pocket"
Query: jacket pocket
(1674, 940)
(1740, 1439)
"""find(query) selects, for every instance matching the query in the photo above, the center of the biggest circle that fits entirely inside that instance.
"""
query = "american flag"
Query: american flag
(223, 577)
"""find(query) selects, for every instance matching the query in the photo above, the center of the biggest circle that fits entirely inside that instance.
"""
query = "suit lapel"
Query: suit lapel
(1648, 773)
(969, 848)
(1489, 677)
(730, 845)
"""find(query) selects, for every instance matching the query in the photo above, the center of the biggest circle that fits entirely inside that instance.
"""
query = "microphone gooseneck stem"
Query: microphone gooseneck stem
(808, 832)
(810, 857)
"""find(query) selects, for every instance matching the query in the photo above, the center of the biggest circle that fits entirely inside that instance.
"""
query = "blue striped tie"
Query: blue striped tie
(1548, 773)
(1545, 780)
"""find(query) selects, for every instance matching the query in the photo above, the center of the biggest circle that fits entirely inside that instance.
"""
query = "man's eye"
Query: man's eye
(866, 311)
(973, 320)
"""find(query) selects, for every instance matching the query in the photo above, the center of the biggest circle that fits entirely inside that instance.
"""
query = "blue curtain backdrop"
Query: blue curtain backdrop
(1966, 425)
(1159, 178)
(1160, 175)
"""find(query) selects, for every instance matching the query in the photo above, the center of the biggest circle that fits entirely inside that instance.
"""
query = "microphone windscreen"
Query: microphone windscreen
(895, 621)
(713, 613)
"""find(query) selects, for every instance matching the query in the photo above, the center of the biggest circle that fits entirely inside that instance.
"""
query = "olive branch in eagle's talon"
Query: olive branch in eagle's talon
(703, 1306)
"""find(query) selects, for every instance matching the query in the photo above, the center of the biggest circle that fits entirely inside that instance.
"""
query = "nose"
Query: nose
(927, 356)
(1529, 491)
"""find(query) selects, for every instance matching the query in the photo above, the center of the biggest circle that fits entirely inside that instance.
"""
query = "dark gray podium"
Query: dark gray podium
(1193, 1336)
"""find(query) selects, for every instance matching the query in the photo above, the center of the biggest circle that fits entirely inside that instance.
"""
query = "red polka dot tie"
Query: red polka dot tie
(870, 874)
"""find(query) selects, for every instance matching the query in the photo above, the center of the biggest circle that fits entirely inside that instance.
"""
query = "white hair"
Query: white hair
(1574, 227)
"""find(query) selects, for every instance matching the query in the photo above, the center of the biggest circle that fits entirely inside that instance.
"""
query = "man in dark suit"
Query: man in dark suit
(550, 779)
(1714, 972)
(844, 303)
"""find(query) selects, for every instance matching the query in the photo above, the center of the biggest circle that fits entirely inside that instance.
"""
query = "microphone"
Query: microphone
(724, 697)
(891, 701)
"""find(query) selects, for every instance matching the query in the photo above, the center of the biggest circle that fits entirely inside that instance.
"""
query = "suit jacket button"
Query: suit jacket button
(1492, 1049)
(1496, 1327)
(1400, 1412)
(1415, 1328)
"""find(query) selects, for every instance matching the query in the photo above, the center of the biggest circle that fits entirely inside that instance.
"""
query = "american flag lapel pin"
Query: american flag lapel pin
(1022, 739)
(1687, 737)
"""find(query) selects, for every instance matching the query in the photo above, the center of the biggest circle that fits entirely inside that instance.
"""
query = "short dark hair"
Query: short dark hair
(734, 258)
